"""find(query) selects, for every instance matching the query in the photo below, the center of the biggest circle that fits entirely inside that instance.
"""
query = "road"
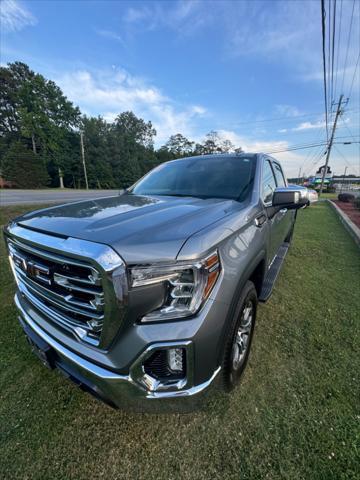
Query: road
(24, 197)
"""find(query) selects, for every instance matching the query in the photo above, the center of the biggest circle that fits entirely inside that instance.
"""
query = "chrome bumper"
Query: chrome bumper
(122, 391)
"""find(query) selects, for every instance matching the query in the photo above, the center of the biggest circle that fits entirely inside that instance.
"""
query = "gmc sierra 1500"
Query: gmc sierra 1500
(149, 298)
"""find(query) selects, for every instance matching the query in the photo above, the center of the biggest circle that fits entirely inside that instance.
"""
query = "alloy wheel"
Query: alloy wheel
(242, 336)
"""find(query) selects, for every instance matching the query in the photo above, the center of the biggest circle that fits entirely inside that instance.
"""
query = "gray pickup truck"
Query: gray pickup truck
(148, 299)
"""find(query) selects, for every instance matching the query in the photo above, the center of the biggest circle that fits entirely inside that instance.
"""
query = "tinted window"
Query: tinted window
(269, 183)
(204, 177)
(279, 175)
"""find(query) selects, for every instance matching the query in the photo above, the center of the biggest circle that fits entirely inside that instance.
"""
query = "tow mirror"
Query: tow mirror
(291, 198)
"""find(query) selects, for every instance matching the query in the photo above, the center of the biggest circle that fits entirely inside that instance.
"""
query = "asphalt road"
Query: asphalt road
(24, 197)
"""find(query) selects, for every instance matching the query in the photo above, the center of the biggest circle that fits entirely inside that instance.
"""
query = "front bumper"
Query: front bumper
(118, 390)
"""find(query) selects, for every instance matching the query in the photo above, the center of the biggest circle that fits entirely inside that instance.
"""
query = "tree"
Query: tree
(238, 150)
(96, 142)
(21, 166)
(212, 143)
(179, 146)
(227, 146)
(130, 126)
(34, 107)
(131, 150)
(35, 112)
(35, 115)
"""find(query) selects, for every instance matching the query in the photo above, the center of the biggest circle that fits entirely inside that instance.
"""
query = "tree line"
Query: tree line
(40, 143)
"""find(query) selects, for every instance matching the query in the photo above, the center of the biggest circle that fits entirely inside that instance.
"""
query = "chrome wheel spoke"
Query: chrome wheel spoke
(242, 336)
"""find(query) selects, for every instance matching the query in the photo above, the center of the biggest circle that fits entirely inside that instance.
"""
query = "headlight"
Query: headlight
(187, 286)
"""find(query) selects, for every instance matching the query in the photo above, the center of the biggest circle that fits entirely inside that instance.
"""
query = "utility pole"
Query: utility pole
(83, 159)
(338, 112)
(61, 178)
(299, 175)
(33, 143)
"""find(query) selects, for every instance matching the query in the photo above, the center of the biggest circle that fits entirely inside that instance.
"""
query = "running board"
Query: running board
(273, 272)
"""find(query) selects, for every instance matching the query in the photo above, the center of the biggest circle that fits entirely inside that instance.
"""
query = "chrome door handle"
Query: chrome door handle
(260, 220)
(283, 211)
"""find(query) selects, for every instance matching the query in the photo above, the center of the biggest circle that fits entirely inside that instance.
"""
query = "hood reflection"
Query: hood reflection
(99, 208)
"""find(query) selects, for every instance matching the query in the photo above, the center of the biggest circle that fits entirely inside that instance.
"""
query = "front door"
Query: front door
(279, 220)
(286, 217)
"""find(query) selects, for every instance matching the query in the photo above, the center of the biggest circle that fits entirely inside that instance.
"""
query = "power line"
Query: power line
(338, 49)
(312, 145)
(291, 149)
(313, 154)
(333, 51)
(323, 14)
(353, 79)
(300, 147)
(320, 155)
(347, 48)
(343, 156)
(338, 113)
(292, 118)
(348, 129)
(329, 59)
(303, 147)
(306, 131)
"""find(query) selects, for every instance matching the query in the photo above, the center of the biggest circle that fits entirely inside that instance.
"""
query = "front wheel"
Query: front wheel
(239, 339)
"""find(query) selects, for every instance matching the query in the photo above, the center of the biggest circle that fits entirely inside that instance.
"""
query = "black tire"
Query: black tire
(230, 372)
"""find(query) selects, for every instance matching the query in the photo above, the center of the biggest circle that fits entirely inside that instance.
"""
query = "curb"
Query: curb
(348, 224)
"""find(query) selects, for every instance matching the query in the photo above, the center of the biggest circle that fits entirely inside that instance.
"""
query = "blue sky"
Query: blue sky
(250, 70)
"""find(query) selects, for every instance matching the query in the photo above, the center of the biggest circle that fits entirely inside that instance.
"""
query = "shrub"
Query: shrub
(23, 168)
(346, 197)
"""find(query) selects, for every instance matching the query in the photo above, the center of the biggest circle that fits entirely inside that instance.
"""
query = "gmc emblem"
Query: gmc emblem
(37, 272)
(31, 270)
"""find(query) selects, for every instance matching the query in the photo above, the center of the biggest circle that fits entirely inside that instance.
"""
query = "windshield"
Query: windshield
(205, 177)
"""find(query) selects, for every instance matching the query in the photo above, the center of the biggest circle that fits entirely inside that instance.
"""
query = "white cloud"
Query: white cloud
(111, 35)
(287, 110)
(134, 15)
(252, 145)
(309, 126)
(110, 93)
(14, 16)
(280, 32)
(345, 76)
(183, 16)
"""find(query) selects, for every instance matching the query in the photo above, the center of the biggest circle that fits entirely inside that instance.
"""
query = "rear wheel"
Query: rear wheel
(239, 339)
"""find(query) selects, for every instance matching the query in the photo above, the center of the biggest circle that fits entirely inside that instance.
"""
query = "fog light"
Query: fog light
(175, 359)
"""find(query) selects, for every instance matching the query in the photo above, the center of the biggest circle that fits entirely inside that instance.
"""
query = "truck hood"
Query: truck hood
(139, 228)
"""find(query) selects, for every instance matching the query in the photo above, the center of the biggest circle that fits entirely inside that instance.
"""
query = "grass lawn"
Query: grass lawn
(295, 415)
(331, 196)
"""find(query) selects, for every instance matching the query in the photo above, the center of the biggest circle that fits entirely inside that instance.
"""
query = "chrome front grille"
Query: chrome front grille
(68, 291)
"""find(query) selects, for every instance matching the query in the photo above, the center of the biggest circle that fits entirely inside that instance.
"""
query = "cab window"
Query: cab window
(280, 180)
(268, 183)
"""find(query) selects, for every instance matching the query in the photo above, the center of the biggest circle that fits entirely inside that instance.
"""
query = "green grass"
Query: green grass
(329, 195)
(295, 415)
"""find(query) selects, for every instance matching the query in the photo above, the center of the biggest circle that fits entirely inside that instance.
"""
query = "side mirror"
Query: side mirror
(290, 197)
